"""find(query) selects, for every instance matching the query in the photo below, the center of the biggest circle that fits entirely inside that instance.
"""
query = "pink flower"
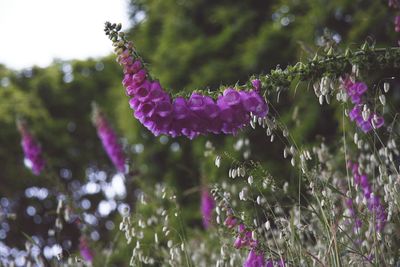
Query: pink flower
(374, 204)
(230, 222)
(32, 150)
(133, 68)
(256, 259)
(199, 115)
(355, 91)
(85, 251)
(256, 84)
(207, 207)
(109, 140)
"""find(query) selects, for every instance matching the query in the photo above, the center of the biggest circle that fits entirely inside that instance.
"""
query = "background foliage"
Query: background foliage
(188, 45)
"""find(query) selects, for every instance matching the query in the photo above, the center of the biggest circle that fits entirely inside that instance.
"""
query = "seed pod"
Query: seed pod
(386, 87)
(234, 173)
(242, 172)
(267, 225)
(321, 100)
(382, 99)
(328, 99)
(218, 161)
(250, 180)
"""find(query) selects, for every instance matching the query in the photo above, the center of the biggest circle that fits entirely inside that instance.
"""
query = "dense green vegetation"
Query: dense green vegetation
(188, 45)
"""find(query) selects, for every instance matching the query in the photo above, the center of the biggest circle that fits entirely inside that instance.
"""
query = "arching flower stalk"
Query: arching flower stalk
(198, 115)
(32, 150)
(109, 139)
(230, 110)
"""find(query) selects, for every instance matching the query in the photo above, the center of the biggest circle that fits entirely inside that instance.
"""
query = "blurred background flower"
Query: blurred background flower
(55, 60)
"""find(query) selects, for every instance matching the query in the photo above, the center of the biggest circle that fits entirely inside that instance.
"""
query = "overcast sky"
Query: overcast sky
(34, 32)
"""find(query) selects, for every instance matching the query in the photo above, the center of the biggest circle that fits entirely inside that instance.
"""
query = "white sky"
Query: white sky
(34, 32)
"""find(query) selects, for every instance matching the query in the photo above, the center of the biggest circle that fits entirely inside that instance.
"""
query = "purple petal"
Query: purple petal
(230, 97)
(256, 84)
(361, 88)
(355, 113)
(163, 108)
(156, 93)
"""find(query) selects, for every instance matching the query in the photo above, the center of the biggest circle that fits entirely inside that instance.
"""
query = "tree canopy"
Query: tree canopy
(188, 46)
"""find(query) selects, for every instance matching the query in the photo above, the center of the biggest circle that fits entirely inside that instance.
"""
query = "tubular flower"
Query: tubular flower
(32, 149)
(230, 222)
(85, 250)
(373, 201)
(207, 207)
(244, 240)
(355, 91)
(197, 115)
(109, 140)
(256, 259)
